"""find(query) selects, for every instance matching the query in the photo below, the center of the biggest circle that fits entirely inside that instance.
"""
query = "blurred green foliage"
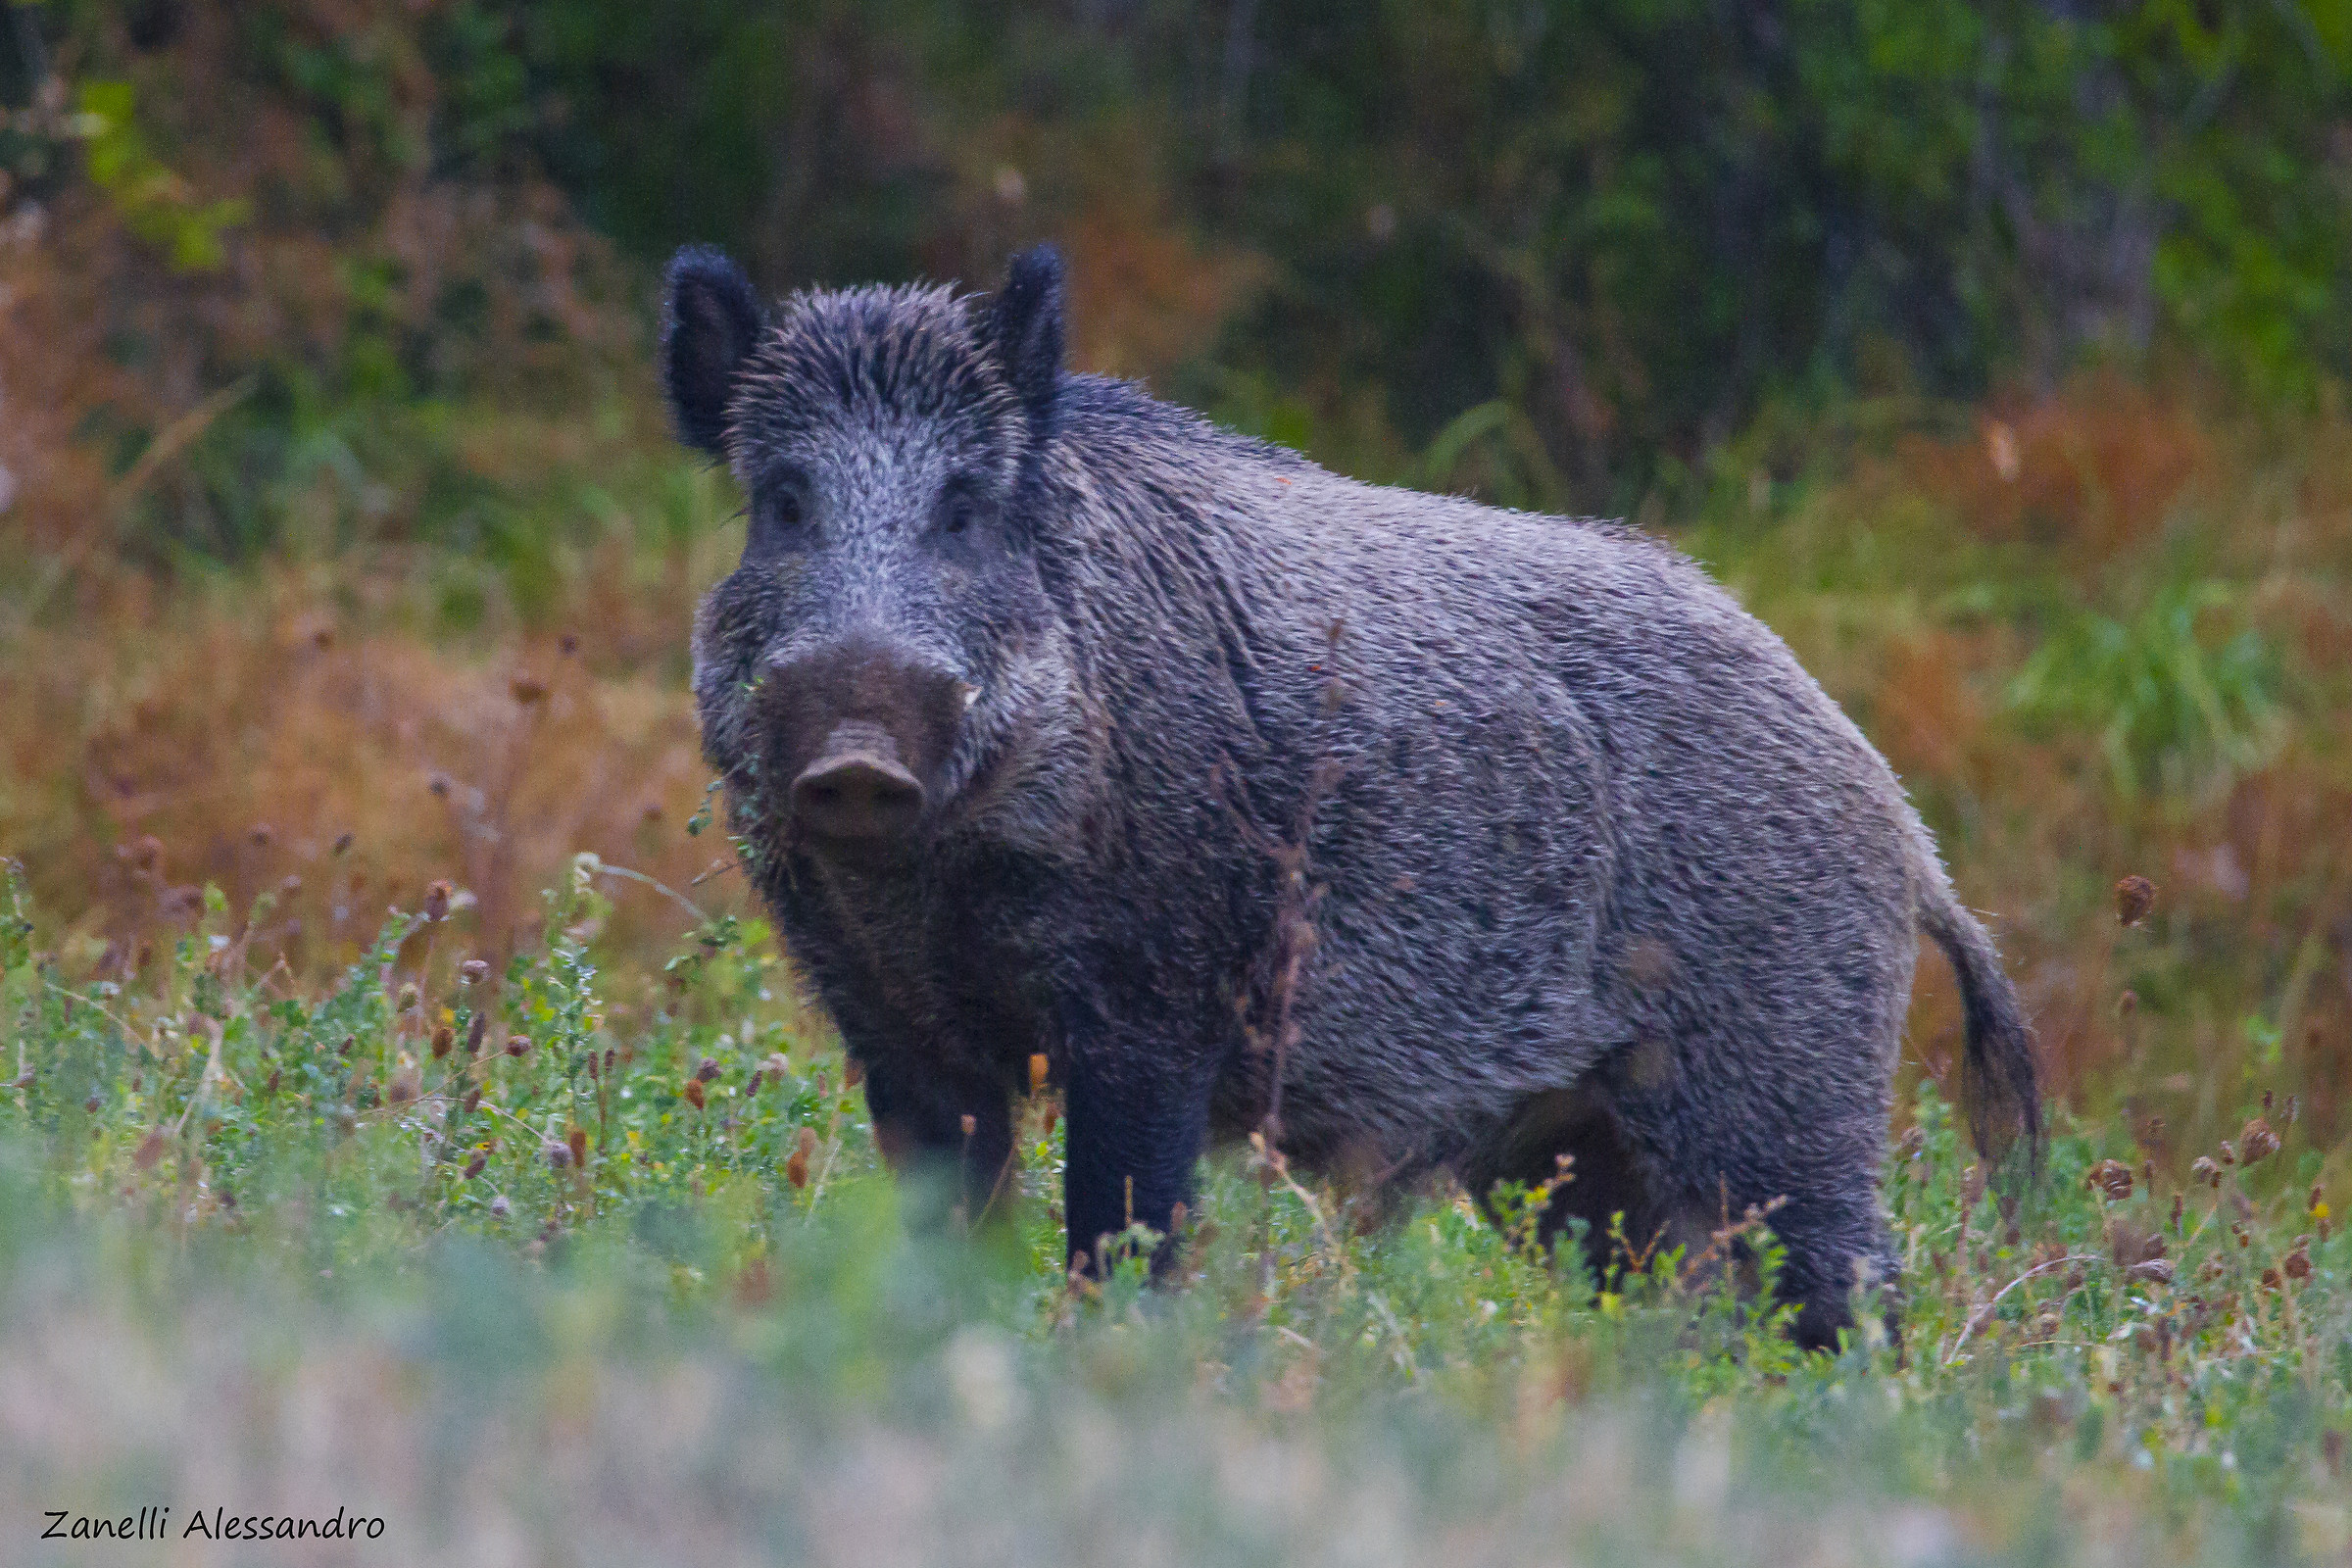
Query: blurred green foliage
(216, 1179)
(154, 203)
(1623, 229)
(2181, 700)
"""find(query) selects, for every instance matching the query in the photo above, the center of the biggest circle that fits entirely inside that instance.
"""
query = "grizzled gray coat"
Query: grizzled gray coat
(1029, 688)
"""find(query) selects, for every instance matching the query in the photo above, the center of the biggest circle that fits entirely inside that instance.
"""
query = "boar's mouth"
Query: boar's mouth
(858, 738)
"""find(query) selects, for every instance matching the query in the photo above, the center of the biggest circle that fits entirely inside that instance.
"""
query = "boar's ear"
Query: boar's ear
(1024, 325)
(711, 318)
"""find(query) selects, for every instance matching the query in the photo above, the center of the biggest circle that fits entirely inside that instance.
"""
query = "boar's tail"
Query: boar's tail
(1999, 1072)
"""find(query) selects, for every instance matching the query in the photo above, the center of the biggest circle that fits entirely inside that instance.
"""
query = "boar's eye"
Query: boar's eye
(776, 510)
(959, 507)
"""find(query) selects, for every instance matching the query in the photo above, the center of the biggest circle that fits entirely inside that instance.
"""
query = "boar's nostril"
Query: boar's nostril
(857, 796)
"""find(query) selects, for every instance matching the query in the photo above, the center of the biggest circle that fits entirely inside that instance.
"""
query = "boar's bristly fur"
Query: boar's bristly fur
(1030, 691)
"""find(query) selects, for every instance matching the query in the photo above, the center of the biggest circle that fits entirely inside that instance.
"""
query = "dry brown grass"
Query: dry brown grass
(258, 735)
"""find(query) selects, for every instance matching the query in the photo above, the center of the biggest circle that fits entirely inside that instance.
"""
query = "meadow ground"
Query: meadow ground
(347, 1168)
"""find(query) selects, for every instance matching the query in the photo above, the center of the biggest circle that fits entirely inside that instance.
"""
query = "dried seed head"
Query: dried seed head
(151, 1148)
(472, 972)
(517, 1044)
(707, 1070)
(2256, 1143)
(2112, 1178)
(271, 1088)
(693, 1093)
(437, 895)
(2134, 897)
(1038, 1067)
(576, 1139)
(474, 1100)
(406, 1084)
(2206, 1171)
(795, 1166)
(593, 1071)
(473, 1033)
(444, 1040)
(2296, 1266)
(474, 1166)
(2316, 1202)
(92, 1104)
(2178, 1206)
(499, 1206)
(557, 1155)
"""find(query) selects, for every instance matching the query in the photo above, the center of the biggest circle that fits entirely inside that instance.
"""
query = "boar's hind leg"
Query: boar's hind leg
(919, 1119)
(1834, 1240)
(1729, 1145)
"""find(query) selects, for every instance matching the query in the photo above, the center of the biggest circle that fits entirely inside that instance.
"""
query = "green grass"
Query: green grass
(640, 1292)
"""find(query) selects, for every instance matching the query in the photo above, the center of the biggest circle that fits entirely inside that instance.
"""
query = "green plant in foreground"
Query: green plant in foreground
(532, 1167)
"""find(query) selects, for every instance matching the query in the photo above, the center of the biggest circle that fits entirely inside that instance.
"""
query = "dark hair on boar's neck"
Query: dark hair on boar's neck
(1422, 835)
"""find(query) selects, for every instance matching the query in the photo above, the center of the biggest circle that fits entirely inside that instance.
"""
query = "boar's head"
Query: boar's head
(882, 662)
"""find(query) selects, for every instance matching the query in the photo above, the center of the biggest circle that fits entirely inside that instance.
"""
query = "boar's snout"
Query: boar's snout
(857, 789)
(863, 730)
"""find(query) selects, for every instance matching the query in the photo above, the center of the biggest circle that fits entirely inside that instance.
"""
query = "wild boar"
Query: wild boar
(1056, 719)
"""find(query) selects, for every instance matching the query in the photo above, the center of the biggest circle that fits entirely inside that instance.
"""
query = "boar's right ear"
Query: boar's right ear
(710, 320)
(1024, 325)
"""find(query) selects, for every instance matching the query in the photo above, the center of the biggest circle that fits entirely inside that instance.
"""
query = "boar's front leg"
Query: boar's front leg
(925, 1120)
(1135, 1128)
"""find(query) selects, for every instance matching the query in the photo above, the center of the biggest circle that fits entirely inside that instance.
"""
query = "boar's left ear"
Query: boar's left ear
(1024, 325)
(710, 320)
